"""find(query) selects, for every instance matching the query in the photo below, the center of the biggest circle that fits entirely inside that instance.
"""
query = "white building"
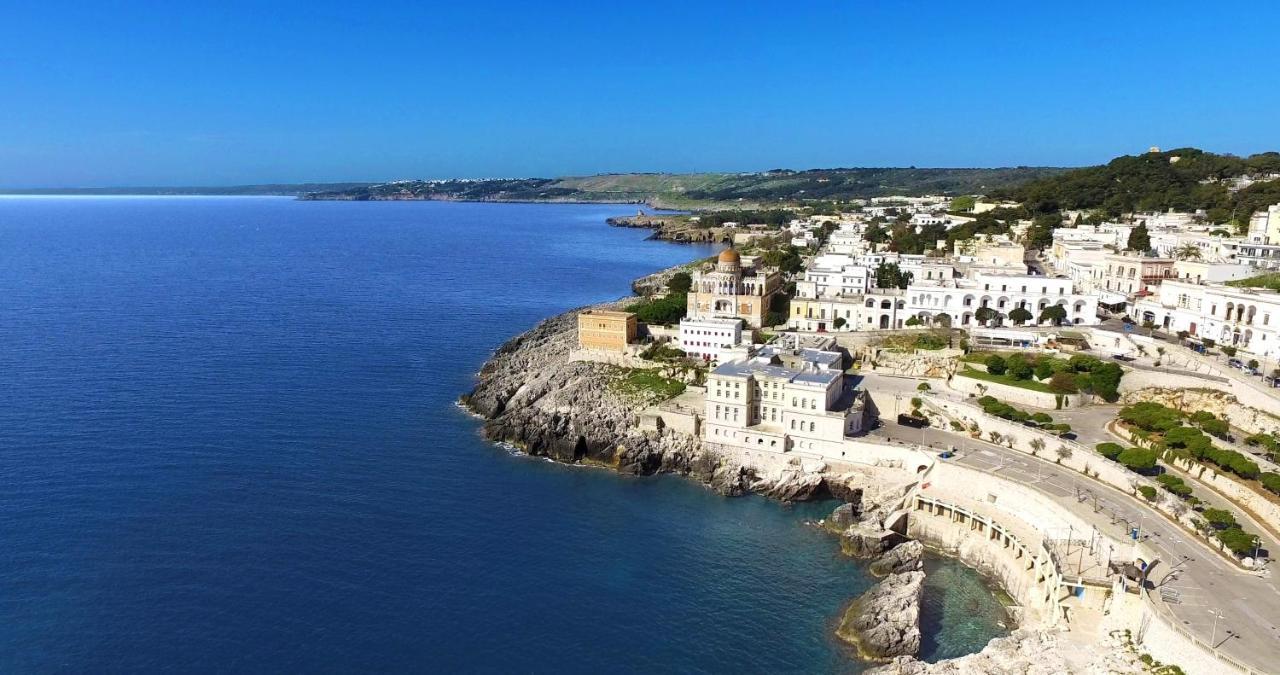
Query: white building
(768, 402)
(961, 299)
(1245, 318)
(709, 339)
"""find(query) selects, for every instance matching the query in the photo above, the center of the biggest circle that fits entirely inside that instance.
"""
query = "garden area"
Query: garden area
(997, 408)
(645, 385)
(1043, 373)
(1171, 434)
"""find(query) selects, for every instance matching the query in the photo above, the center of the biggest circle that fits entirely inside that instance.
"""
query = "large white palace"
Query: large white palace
(782, 401)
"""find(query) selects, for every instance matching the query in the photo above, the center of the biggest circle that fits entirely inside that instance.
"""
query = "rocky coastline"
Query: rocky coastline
(673, 228)
(531, 395)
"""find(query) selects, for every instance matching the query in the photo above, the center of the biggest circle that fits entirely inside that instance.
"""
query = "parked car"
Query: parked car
(913, 421)
(1235, 363)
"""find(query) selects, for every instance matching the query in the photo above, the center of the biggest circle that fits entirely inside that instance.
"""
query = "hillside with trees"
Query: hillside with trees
(779, 186)
(1185, 179)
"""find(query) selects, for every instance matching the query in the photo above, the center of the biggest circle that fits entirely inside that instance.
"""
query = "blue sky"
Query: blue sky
(168, 93)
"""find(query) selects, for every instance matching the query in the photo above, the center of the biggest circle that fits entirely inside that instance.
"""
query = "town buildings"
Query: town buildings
(710, 339)
(782, 401)
(606, 330)
(1248, 319)
(732, 289)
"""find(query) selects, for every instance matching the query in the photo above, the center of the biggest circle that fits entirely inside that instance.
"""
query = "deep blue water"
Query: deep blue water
(228, 443)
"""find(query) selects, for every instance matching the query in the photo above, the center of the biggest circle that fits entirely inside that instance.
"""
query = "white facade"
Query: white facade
(760, 404)
(1245, 318)
(961, 299)
(709, 339)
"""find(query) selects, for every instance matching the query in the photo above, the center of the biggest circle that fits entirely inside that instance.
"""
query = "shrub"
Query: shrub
(923, 386)
(1104, 379)
(665, 310)
(1148, 492)
(1063, 383)
(1220, 518)
(1271, 481)
(996, 364)
(1018, 368)
(1229, 351)
(1109, 450)
(1174, 484)
(1182, 437)
(1138, 459)
(1238, 541)
(839, 322)
(1042, 418)
(1151, 416)
(680, 283)
(1044, 368)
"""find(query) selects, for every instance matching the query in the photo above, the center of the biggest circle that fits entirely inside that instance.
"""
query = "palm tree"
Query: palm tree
(1187, 252)
(1036, 446)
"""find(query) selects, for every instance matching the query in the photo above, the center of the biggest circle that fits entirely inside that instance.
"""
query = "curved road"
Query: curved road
(1211, 597)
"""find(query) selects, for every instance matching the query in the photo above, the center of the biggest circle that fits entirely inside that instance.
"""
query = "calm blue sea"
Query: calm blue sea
(228, 443)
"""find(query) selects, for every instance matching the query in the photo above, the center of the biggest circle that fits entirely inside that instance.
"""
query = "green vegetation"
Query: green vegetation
(1267, 442)
(1004, 379)
(1080, 373)
(1164, 428)
(646, 384)
(1174, 484)
(1270, 280)
(662, 352)
(819, 186)
(889, 276)
(786, 258)
(1138, 460)
(1055, 313)
(680, 283)
(1155, 181)
(963, 203)
(995, 407)
(1109, 450)
(1139, 239)
(665, 310)
(1147, 492)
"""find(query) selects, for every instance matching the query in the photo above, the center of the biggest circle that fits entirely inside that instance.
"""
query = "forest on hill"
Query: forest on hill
(1185, 179)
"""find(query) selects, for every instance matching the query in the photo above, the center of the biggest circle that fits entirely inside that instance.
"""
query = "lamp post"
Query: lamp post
(1216, 615)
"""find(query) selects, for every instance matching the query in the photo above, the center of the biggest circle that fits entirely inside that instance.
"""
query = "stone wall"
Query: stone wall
(1012, 395)
(1205, 398)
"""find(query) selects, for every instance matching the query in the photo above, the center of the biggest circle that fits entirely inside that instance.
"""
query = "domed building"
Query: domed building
(734, 288)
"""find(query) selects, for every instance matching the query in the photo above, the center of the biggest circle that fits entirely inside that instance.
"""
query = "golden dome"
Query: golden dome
(730, 256)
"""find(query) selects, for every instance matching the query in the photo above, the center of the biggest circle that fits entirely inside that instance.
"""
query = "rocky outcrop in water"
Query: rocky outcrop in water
(885, 621)
(905, 557)
(1023, 652)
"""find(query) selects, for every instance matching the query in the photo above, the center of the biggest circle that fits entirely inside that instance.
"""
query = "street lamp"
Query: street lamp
(1216, 615)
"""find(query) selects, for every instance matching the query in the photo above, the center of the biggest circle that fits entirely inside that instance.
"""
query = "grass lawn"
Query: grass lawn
(647, 385)
(1005, 379)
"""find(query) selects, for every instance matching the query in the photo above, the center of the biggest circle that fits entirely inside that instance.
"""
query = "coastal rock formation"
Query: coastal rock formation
(864, 540)
(905, 557)
(885, 621)
(673, 228)
(1023, 652)
(534, 398)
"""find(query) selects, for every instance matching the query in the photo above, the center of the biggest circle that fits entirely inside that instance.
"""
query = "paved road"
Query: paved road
(1198, 582)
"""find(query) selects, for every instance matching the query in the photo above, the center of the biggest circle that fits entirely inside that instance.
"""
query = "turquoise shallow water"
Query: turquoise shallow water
(228, 442)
